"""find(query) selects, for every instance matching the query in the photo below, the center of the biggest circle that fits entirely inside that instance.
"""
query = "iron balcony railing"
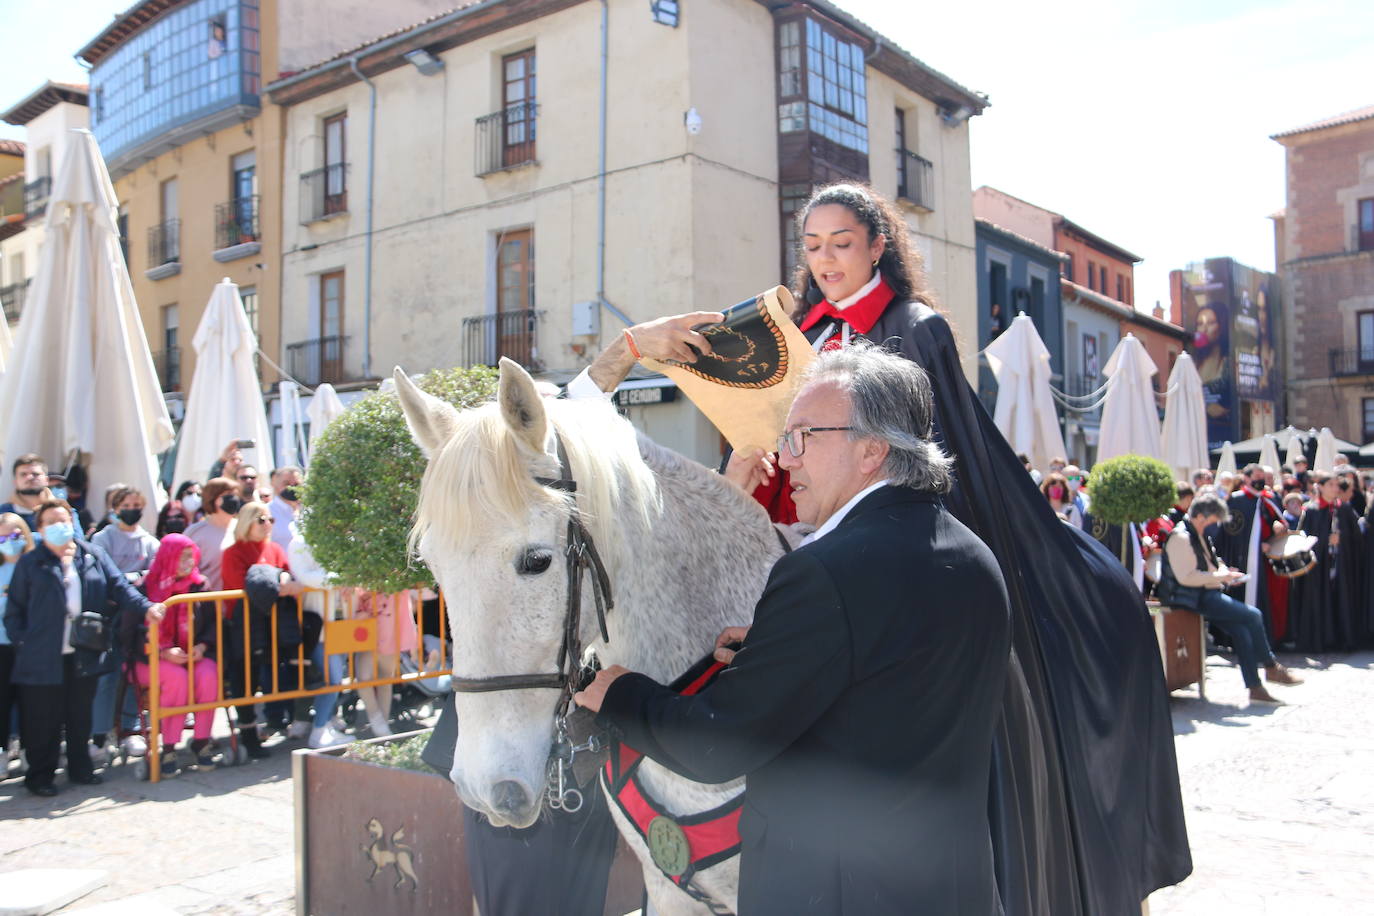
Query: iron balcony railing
(915, 179)
(324, 192)
(164, 243)
(505, 139)
(236, 222)
(12, 299)
(1352, 361)
(314, 362)
(36, 195)
(168, 363)
(487, 338)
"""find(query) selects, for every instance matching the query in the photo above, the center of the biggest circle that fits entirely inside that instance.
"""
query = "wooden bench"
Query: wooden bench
(1182, 638)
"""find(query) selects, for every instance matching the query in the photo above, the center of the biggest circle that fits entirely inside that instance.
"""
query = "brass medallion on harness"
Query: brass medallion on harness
(668, 846)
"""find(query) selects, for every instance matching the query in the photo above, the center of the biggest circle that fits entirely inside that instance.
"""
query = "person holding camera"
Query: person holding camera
(1192, 577)
(59, 614)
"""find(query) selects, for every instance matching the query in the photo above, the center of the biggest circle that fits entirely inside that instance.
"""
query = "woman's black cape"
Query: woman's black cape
(1085, 807)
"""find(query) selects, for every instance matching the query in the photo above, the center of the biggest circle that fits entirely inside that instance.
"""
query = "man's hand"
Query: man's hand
(595, 692)
(749, 470)
(154, 613)
(727, 636)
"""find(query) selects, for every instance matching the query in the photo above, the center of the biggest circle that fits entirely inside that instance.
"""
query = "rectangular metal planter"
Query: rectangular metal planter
(382, 841)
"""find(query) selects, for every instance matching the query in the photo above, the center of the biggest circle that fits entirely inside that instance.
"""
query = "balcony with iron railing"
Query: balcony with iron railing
(36, 195)
(314, 362)
(168, 363)
(487, 338)
(324, 192)
(505, 139)
(237, 233)
(1351, 361)
(915, 179)
(12, 299)
(164, 249)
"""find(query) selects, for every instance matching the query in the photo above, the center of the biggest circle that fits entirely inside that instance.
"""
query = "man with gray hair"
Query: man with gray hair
(862, 702)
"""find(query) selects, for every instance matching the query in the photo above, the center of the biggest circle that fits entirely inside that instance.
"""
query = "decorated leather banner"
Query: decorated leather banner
(746, 385)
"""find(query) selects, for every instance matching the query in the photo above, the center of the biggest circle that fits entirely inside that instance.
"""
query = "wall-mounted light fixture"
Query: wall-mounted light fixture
(425, 62)
(954, 116)
(665, 12)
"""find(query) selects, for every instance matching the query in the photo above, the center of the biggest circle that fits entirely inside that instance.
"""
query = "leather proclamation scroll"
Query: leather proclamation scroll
(746, 385)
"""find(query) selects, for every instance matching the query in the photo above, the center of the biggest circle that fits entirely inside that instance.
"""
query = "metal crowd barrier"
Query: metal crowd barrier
(347, 635)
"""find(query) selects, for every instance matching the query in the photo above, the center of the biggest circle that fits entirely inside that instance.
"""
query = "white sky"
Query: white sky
(1147, 123)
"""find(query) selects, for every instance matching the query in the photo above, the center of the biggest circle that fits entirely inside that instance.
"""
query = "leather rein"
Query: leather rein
(581, 556)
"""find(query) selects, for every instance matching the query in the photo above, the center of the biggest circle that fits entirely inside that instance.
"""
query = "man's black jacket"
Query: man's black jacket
(861, 708)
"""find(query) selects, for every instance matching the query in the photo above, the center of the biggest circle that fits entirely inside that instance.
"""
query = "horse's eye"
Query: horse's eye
(534, 561)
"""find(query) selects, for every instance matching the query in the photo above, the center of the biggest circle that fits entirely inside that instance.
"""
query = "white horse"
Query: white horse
(687, 554)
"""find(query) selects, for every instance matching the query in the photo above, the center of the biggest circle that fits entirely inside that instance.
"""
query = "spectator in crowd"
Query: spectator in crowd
(1056, 491)
(15, 540)
(285, 504)
(172, 519)
(186, 633)
(1269, 477)
(71, 486)
(1292, 509)
(248, 483)
(189, 495)
(1300, 471)
(1348, 481)
(228, 463)
(1201, 478)
(1058, 463)
(109, 516)
(30, 488)
(1226, 482)
(310, 574)
(215, 532)
(1201, 582)
(52, 587)
(1339, 462)
(252, 547)
(1291, 485)
(1179, 510)
(1034, 474)
(132, 549)
(396, 633)
(1075, 478)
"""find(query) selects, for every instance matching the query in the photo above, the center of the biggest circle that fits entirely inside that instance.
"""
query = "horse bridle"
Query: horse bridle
(581, 555)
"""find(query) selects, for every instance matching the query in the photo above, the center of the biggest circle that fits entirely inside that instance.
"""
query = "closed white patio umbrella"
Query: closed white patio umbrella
(1184, 435)
(1025, 408)
(324, 408)
(5, 345)
(1130, 420)
(1226, 464)
(293, 451)
(1295, 445)
(81, 377)
(1326, 451)
(225, 398)
(1269, 453)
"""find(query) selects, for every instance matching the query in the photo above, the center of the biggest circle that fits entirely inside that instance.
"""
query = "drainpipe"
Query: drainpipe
(601, 180)
(367, 231)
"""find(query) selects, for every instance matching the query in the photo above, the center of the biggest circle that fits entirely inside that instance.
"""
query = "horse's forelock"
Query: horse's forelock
(481, 475)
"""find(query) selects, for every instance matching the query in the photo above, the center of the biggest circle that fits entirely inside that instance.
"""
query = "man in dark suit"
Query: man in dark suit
(862, 703)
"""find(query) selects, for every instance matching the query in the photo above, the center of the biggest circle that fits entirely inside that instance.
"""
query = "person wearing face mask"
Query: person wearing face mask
(189, 495)
(15, 541)
(30, 488)
(285, 505)
(1075, 478)
(1255, 519)
(1056, 490)
(215, 532)
(132, 549)
(52, 586)
(1324, 612)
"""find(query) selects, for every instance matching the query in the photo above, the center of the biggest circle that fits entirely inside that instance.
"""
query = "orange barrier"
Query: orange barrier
(348, 635)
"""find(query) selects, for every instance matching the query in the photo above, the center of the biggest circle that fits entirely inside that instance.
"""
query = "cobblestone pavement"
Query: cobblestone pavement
(1279, 800)
(1280, 807)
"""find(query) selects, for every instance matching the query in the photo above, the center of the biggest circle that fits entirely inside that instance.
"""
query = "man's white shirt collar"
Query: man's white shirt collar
(834, 521)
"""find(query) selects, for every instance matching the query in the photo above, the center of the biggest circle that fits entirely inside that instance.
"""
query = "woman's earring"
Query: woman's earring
(813, 292)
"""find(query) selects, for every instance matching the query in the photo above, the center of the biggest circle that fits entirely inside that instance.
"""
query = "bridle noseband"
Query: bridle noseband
(581, 555)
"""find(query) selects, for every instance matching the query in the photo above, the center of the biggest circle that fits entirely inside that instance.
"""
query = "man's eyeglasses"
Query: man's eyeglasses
(1072, 477)
(795, 439)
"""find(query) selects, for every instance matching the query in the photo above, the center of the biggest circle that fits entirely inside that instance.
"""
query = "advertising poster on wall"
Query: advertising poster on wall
(1230, 309)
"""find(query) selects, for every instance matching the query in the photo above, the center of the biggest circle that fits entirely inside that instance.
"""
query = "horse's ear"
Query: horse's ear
(521, 406)
(431, 420)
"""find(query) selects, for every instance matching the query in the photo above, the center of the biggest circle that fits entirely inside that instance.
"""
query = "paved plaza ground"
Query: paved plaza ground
(1280, 805)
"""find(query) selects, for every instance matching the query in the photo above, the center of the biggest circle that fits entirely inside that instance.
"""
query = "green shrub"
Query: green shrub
(402, 754)
(1131, 488)
(364, 481)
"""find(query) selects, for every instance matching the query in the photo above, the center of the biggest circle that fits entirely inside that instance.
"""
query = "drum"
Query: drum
(1291, 555)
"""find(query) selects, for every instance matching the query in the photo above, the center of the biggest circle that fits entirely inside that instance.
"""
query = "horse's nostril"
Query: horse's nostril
(509, 797)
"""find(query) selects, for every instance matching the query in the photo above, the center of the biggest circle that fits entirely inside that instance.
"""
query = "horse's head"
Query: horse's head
(494, 539)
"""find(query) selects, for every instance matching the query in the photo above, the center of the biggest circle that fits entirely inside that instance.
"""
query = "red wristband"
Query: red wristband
(630, 342)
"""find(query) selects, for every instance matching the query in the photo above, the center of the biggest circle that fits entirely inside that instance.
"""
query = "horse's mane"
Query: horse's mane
(483, 473)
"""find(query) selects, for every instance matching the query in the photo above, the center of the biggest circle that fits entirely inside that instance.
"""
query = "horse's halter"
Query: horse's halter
(581, 555)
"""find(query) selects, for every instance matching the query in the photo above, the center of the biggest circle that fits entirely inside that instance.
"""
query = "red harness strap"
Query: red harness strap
(712, 836)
